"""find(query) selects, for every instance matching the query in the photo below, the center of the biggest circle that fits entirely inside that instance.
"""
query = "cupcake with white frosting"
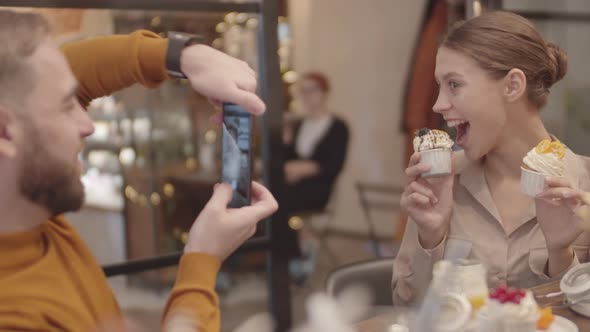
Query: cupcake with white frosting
(509, 310)
(435, 147)
(546, 159)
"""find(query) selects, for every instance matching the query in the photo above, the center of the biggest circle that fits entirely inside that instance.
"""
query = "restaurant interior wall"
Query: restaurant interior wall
(365, 48)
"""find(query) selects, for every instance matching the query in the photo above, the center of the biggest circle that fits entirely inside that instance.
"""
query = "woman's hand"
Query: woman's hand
(429, 202)
(288, 134)
(556, 213)
(288, 128)
(297, 170)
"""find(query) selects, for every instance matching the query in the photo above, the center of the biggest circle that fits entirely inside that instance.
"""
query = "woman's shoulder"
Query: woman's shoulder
(339, 119)
(585, 160)
(579, 167)
(339, 123)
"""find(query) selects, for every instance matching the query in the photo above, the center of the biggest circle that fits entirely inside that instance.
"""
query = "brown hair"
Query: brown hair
(501, 41)
(20, 35)
(320, 79)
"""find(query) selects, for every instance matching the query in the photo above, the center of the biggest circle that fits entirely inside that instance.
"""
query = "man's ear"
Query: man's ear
(7, 145)
(515, 85)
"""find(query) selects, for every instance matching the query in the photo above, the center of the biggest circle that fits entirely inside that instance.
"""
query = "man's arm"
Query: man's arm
(215, 234)
(193, 300)
(108, 64)
(21, 320)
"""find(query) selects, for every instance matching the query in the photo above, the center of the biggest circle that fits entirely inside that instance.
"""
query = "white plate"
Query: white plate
(561, 324)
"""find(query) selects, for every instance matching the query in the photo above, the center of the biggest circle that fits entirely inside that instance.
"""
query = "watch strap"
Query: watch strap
(177, 41)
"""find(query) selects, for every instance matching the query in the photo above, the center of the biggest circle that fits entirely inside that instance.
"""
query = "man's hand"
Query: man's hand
(221, 78)
(220, 230)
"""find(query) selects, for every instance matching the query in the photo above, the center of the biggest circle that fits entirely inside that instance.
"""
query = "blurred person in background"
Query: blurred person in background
(49, 279)
(316, 149)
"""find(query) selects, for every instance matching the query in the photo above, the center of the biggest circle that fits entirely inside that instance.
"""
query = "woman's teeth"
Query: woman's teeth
(455, 123)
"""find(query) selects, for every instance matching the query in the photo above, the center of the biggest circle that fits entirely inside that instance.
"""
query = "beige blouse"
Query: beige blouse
(517, 259)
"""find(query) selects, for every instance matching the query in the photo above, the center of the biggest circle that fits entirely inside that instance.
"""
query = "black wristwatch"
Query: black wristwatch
(177, 41)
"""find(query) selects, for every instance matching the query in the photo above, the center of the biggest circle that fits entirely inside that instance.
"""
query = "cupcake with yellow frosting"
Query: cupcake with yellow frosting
(546, 159)
(435, 147)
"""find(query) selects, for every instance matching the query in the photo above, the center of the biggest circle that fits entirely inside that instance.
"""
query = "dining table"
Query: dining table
(546, 295)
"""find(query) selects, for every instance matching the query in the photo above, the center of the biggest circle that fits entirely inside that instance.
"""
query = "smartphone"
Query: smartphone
(236, 151)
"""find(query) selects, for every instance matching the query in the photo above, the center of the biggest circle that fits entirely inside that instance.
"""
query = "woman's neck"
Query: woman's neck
(523, 132)
(318, 113)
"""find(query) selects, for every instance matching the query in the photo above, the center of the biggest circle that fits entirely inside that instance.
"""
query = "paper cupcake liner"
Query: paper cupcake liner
(438, 159)
(531, 183)
(455, 313)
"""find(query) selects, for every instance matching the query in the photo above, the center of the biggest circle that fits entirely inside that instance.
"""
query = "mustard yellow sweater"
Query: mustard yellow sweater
(49, 280)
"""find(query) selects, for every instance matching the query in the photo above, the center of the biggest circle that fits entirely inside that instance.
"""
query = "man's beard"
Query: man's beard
(49, 182)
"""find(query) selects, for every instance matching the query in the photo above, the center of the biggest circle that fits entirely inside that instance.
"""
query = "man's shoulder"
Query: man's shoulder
(60, 224)
(60, 229)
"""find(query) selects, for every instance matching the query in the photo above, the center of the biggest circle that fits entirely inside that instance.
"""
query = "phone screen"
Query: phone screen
(236, 153)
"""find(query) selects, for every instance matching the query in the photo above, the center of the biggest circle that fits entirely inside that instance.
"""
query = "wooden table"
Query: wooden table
(582, 322)
(382, 322)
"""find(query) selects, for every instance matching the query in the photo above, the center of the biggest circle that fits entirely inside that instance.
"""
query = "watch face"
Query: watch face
(185, 39)
(179, 35)
(195, 39)
(175, 74)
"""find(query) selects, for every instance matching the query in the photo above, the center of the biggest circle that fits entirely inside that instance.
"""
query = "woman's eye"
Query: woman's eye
(453, 85)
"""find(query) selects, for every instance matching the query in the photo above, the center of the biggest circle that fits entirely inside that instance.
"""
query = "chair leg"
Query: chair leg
(324, 247)
(376, 247)
(373, 237)
(324, 234)
(321, 234)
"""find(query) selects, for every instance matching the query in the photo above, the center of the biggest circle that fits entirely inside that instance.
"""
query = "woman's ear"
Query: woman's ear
(514, 85)
(7, 145)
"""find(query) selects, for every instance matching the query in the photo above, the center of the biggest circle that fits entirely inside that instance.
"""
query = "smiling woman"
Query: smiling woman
(494, 45)
(500, 42)
(477, 56)
(494, 73)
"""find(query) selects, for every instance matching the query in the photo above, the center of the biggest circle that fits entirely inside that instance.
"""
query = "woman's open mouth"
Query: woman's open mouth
(463, 127)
